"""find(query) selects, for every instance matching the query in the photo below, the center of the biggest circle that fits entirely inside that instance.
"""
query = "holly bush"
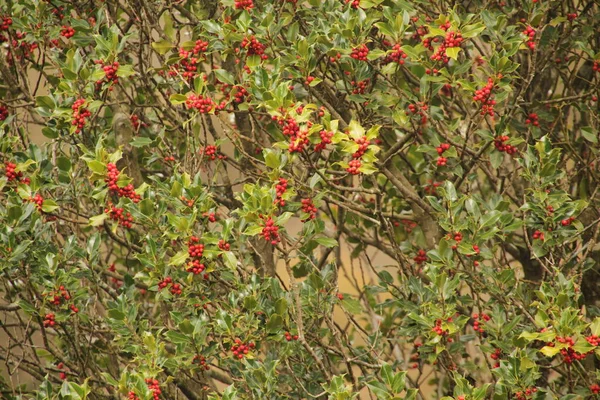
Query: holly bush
(300, 199)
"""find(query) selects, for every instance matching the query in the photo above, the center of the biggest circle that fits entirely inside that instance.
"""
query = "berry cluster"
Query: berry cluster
(271, 231)
(240, 349)
(254, 47)
(49, 320)
(298, 142)
(80, 113)
(204, 105)
(569, 354)
(244, 4)
(530, 33)
(525, 394)
(596, 66)
(353, 3)
(12, 175)
(438, 328)
(353, 167)
(110, 74)
(280, 189)
(37, 199)
(223, 245)
(6, 23)
(67, 31)
(289, 126)
(190, 60)
(360, 52)
(594, 340)
(442, 161)
(118, 214)
(325, 140)
(200, 360)
(195, 251)
(477, 324)
(154, 387)
(415, 356)
(63, 374)
(421, 110)
(289, 337)
(3, 112)
(363, 145)
(360, 87)
(421, 257)
(212, 217)
(431, 188)
(309, 80)
(532, 119)
(452, 39)
(112, 178)
(538, 235)
(397, 55)
(240, 94)
(486, 98)
(212, 153)
(309, 208)
(595, 388)
(458, 237)
(175, 287)
(117, 282)
(499, 143)
(567, 221)
(58, 296)
(496, 356)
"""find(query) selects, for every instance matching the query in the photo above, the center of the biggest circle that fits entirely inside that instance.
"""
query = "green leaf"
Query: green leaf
(49, 206)
(588, 133)
(163, 46)
(224, 76)
(141, 141)
(177, 338)
(98, 220)
(326, 241)
(550, 351)
(452, 52)
(352, 305)
(179, 258)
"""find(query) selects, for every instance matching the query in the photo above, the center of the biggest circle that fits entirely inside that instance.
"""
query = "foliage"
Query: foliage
(294, 199)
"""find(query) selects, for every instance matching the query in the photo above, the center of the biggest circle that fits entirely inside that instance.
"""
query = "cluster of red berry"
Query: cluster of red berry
(309, 208)
(49, 320)
(594, 340)
(67, 31)
(212, 153)
(112, 178)
(280, 189)
(353, 167)
(190, 60)
(567, 221)
(421, 257)
(530, 33)
(36, 199)
(58, 296)
(360, 87)
(254, 47)
(595, 388)
(118, 214)
(289, 337)
(398, 55)
(298, 142)
(363, 145)
(289, 126)
(3, 112)
(309, 80)
(421, 110)
(360, 52)
(538, 235)
(596, 66)
(500, 144)
(6, 23)
(458, 237)
(110, 74)
(244, 4)
(325, 140)
(154, 387)
(80, 113)
(353, 3)
(532, 119)
(477, 324)
(13, 175)
(569, 354)
(223, 245)
(175, 287)
(525, 394)
(431, 187)
(204, 105)
(271, 231)
(437, 328)
(240, 349)
(415, 356)
(442, 161)
(63, 374)
(496, 357)
(201, 360)
(452, 39)
(240, 94)
(195, 251)
(486, 98)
